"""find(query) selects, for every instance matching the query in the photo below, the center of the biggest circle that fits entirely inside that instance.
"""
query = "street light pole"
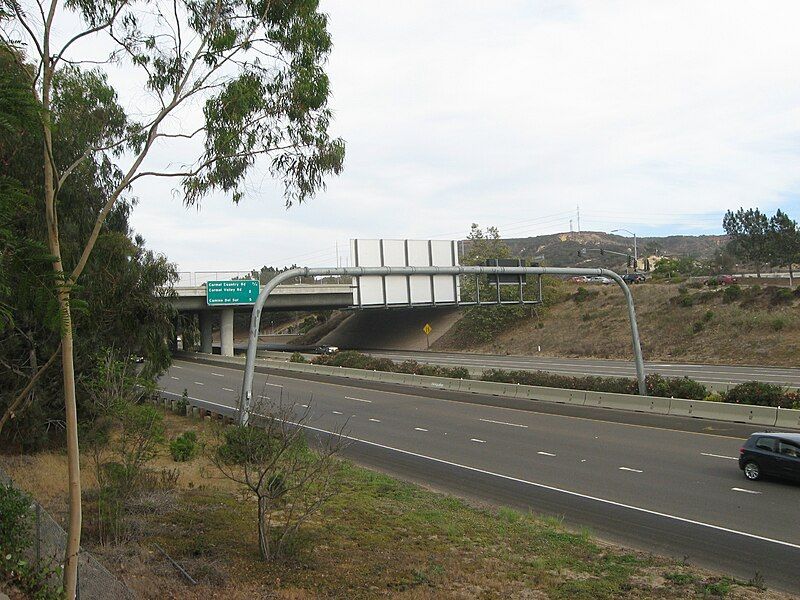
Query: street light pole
(635, 251)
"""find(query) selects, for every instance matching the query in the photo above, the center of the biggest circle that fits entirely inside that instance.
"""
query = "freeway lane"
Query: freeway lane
(590, 471)
(716, 374)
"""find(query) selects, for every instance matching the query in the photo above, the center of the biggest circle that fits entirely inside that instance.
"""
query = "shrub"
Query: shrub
(16, 536)
(708, 316)
(695, 285)
(15, 521)
(698, 326)
(296, 357)
(686, 301)
(308, 324)
(356, 360)
(759, 393)
(584, 295)
(184, 447)
(683, 387)
(777, 324)
(732, 293)
(782, 296)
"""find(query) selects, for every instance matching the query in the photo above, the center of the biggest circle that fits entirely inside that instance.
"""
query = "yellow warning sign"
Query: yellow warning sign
(427, 329)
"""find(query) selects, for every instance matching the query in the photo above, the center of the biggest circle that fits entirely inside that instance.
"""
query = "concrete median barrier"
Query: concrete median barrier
(548, 394)
(491, 388)
(722, 411)
(788, 418)
(628, 402)
(719, 411)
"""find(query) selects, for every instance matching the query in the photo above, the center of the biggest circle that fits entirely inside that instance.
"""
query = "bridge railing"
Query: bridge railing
(198, 278)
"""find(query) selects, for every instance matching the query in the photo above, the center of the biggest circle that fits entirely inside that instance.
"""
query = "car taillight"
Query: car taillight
(741, 450)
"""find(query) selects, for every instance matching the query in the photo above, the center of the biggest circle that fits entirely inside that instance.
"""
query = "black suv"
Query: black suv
(776, 454)
(634, 278)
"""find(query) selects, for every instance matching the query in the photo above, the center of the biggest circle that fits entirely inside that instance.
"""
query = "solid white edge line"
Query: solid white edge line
(538, 485)
(503, 423)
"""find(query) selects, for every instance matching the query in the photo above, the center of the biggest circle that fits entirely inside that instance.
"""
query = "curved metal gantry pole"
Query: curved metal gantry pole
(245, 400)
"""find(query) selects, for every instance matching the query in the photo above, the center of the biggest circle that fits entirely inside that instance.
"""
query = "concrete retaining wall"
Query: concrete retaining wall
(718, 411)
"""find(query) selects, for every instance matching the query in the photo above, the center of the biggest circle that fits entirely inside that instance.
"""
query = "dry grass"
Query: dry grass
(379, 538)
(749, 331)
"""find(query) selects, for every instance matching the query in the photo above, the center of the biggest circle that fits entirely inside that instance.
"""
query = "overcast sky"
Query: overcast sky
(650, 115)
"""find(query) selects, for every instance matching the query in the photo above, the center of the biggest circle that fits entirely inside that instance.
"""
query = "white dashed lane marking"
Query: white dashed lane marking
(199, 383)
(218, 375)
(631, 470)
(744, 490)
(375, 420)
(546, 453)
(504, 423)
(356, 399)
(719, 456)
(272, 384)
(336, 412)
(175, 378)
(477, 440)
(419, 429)
(227, 389)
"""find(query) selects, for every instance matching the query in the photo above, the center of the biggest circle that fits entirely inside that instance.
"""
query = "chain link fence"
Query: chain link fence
(95, 582)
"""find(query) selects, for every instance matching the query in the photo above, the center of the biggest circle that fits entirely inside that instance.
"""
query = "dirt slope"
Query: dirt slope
(761, 327)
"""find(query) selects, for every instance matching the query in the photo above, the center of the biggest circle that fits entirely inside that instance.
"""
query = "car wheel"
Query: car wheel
(752, 471)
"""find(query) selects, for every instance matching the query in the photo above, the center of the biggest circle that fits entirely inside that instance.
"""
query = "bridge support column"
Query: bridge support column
(206, 321)
(226, 332)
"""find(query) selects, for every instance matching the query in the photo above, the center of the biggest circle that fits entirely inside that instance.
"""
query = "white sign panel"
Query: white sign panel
(402, 290)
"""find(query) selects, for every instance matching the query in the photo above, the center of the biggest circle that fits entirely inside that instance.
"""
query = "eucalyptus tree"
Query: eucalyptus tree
(255, 68)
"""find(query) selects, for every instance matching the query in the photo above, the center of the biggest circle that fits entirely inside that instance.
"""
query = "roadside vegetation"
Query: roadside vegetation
(754, 392)
(375, 536)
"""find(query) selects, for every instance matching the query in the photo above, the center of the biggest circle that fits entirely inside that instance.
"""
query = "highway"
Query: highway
(719, 375)
(662, 489)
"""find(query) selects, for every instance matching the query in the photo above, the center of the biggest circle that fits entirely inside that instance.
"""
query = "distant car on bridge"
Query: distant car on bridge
(579, 279)
(772, 454)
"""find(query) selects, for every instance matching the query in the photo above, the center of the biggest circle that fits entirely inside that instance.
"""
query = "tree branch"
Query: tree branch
(9, 413)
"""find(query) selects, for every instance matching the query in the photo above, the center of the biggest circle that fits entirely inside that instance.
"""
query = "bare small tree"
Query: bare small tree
(273, 462)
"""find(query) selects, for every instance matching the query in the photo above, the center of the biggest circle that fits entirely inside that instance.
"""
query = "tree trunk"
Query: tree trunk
(791, 277)
(68, 368)
(263, 534)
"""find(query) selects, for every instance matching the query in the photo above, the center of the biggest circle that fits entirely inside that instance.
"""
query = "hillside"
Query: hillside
(677, 323)
(561, 249)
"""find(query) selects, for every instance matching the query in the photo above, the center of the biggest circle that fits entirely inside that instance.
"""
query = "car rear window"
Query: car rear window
(765, 443)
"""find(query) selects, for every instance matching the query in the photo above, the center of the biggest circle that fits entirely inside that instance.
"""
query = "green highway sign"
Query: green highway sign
(230, 293)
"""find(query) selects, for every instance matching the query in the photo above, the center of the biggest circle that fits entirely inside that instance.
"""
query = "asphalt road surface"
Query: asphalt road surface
(716, 374)
(669, 491)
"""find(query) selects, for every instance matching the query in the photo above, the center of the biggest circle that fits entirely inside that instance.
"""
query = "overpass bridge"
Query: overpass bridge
(287, 297)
